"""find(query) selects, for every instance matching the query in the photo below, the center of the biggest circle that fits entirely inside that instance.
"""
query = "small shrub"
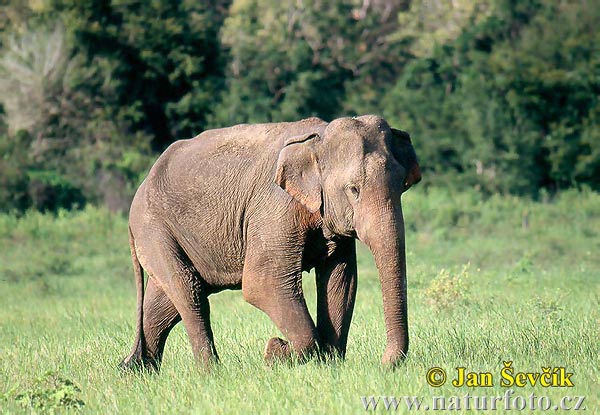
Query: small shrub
(49, 392)
(448, 290)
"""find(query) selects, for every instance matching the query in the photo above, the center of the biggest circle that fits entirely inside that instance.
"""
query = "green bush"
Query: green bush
(448, 289)
(49, 392)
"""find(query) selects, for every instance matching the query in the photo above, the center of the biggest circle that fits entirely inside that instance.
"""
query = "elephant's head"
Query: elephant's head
(354, 171)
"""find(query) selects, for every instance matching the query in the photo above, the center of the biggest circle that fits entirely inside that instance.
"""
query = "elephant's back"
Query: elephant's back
(221, 165)
(238, 154)
(248, 140)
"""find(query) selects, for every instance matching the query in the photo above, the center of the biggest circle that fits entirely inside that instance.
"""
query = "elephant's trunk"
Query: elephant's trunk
(383, 233)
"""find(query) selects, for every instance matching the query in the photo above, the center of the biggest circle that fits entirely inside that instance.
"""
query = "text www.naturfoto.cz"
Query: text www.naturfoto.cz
(473, 402)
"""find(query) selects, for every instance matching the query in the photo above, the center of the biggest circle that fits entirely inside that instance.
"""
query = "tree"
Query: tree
(290, 60)
(63, 124)
(506, 106)
(164, 56)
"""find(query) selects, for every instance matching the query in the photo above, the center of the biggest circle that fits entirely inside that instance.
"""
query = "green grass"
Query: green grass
(503, 291)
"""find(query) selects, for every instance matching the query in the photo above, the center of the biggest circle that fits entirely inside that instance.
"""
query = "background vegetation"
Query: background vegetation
(528, 283)
(499, 95)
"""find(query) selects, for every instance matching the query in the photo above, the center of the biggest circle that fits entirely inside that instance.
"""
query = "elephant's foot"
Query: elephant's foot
(207, 361)
(329, 353)
(136, 362)
(393, 357)
(277, 350)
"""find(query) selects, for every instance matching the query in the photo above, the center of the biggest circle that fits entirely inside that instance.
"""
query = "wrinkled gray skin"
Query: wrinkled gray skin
(251, 207)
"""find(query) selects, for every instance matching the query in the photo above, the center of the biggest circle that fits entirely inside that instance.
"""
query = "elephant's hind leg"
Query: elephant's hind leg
(175, 292)
(187, 291)
(159, 317)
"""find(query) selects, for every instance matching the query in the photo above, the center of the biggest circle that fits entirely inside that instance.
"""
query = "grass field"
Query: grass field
(490, 280)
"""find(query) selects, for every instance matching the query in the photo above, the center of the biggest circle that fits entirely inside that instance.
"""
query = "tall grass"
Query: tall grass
(529, 294)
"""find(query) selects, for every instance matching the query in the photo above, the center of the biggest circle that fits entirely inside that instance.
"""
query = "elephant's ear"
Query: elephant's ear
(298, 172)
(405, 155)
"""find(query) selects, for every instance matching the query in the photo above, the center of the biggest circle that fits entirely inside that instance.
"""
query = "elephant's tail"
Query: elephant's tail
(137, 353)
(139, 285)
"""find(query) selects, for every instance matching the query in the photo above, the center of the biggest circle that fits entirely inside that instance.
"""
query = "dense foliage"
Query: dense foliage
(500, 95)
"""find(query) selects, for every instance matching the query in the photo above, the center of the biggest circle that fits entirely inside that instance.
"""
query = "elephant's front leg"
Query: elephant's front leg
(277, 290)
(336, 293)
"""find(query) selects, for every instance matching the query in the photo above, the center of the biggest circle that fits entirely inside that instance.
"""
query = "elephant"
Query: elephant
(251, 207)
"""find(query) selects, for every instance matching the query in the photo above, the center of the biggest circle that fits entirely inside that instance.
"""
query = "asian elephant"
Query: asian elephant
(252, 206)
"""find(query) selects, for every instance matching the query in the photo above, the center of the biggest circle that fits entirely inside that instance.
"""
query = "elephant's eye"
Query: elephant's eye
(353, 190)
